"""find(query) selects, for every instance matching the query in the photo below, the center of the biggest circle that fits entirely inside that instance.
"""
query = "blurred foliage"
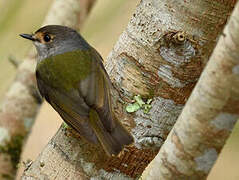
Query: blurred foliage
(17, 17)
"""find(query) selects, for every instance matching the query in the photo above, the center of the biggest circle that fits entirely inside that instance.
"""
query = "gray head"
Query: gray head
(55, 39)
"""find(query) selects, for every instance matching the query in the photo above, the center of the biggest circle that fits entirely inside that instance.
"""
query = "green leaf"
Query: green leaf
(139, 104)
(139, 100)
(147, 108)
(65, 125)
(149, 101)
(132, 107)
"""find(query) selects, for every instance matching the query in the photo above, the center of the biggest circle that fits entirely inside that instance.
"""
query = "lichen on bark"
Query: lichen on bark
(13, 149)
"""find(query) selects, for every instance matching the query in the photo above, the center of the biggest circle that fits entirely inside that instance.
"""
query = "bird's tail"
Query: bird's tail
(114, 141)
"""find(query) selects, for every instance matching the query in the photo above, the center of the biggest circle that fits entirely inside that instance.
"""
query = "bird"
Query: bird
(71, 77)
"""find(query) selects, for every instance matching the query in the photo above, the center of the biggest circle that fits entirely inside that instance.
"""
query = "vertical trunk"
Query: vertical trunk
(21, 103)
(212, 110)
(159, 56)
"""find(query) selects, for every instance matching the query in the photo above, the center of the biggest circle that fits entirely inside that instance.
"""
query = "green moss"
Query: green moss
(13, 148)
(139, 104)
(65, 126)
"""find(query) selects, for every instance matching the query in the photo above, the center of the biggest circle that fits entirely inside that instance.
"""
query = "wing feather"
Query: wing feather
(71, 107)
(97, 93)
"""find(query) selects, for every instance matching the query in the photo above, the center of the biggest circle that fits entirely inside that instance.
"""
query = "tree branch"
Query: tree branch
(160, 55)
(206, 122)
(21, 103)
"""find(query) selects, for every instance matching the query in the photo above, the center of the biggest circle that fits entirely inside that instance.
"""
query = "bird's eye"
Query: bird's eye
(47, 38)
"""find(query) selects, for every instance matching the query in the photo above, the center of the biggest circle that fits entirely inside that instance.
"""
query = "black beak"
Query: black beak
(28, 36)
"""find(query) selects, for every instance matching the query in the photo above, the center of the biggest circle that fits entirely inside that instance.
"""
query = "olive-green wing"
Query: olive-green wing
(96, 92)
(71, 107)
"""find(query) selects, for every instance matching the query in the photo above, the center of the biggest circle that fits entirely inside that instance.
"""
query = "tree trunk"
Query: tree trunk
(159, 56)
(21, 103)
(211, 112)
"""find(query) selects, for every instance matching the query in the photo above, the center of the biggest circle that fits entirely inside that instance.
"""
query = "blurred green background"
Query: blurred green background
(102, 29)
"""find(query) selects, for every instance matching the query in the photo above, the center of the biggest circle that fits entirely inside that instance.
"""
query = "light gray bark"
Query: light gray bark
(160, 55)
(21, 102)
(206, 122)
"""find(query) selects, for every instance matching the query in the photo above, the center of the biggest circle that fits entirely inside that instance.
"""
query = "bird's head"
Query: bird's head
(55, 39)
